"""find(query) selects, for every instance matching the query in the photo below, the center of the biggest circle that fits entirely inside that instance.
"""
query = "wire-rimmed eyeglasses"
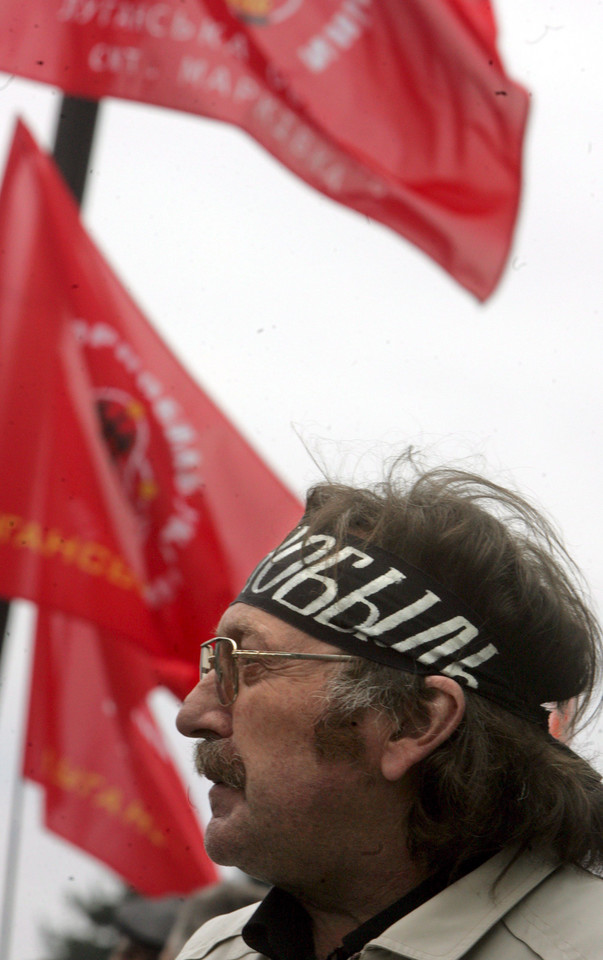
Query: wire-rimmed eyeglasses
(221, 653)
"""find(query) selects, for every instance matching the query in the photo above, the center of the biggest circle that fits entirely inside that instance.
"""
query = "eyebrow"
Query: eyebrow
(244, 634)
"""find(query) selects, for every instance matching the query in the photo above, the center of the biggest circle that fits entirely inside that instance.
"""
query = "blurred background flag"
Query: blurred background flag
(402, 111)
(131, 500)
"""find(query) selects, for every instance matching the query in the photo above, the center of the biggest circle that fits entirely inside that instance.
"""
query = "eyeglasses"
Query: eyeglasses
(221, 653)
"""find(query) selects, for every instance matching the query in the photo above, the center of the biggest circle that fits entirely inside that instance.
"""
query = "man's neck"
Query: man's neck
(333, 917)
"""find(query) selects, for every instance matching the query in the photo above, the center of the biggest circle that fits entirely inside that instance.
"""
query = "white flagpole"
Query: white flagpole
(14, 821)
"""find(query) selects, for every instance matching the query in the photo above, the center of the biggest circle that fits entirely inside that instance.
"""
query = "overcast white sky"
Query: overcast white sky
(303, 319)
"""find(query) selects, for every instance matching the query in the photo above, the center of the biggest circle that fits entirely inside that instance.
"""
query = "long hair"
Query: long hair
(498, 779)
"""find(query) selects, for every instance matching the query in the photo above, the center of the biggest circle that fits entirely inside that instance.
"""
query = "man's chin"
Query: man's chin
(222, 834)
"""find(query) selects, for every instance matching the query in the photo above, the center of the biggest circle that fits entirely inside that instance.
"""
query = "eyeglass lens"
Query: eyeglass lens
(218, 656)
(226, 671)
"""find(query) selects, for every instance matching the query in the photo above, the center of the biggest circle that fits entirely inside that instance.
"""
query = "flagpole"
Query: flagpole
(4, 608)
(76, 125)
(15, 823)
(73, 141)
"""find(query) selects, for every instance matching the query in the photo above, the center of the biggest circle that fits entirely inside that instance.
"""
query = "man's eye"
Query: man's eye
(253, 669)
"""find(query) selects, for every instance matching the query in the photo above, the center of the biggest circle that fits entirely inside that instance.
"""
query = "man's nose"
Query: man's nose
(201, 714)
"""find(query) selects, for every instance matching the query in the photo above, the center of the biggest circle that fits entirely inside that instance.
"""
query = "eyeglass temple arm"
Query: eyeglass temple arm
(293, 656)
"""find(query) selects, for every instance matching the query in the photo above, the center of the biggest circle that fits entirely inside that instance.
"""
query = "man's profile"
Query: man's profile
(374, 714)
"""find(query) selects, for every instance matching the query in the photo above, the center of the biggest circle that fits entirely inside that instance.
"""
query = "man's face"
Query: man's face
(281, 811)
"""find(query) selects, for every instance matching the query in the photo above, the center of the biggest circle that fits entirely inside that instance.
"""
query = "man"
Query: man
(372, 717)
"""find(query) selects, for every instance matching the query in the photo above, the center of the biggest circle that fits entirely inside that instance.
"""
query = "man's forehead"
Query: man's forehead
(240, 622)
(254, 628)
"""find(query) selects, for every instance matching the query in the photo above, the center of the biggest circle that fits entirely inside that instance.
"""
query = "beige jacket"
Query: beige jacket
(537, 910)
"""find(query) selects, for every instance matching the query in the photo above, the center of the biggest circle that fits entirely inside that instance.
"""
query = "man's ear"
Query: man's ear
(446, 708)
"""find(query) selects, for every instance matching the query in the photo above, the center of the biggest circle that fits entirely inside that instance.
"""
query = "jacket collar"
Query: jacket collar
(448, 925)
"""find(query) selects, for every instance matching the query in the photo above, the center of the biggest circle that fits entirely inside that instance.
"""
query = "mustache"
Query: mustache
(215, 760)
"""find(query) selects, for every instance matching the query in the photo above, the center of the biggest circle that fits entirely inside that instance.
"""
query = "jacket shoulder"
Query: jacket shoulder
(562, 917)
(220, 938)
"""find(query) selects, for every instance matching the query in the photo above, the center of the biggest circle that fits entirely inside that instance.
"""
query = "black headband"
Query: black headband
(375, 605)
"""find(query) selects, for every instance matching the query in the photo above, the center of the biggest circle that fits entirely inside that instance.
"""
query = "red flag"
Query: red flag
(92, 742)
(126, 497)
(402, 111)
